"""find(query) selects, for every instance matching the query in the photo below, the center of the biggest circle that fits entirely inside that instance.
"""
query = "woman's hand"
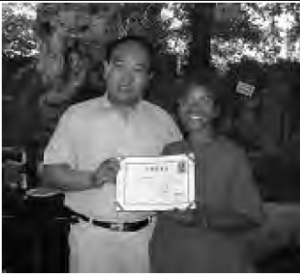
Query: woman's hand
(185, 216)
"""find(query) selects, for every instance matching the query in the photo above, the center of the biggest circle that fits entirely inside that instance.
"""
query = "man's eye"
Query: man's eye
(118, 64)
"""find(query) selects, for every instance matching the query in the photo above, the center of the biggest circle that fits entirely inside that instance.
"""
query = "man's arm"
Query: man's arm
(63, 177)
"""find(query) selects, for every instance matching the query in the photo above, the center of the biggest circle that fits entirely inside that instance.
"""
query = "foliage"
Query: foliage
(294, 32)
(72, 36)
(239, 29)
(144, 19)
(67, 41)
(278, 25)
(17, 36)
(71, 39)
(237, 26)
(253, 23)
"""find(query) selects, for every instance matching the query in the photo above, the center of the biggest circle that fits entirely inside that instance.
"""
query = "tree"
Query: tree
(274, 31)
(208, 23)
(67, 40)
(255, 32)
(200, 26)
(17, 29)
(71, 39)
(144, 19)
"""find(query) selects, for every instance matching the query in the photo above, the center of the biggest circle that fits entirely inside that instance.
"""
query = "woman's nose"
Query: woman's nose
(195, 106)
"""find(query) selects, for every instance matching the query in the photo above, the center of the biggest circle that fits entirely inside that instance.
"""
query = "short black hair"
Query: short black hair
(140, 40)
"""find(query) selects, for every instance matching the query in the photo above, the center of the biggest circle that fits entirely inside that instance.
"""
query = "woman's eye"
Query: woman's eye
(140, 70)
(207, 99)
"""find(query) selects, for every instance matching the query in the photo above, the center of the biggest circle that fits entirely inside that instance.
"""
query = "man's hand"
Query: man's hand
(106, 172)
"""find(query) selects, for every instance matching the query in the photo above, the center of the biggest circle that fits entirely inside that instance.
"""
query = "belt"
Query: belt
(126, 227)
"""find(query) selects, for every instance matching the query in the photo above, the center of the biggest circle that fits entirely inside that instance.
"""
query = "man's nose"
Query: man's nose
(127, 78)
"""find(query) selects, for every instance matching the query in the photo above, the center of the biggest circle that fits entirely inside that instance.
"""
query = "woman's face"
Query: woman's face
(197, 109)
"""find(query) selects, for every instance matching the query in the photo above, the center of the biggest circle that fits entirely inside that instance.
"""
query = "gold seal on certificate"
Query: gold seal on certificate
(156, 183)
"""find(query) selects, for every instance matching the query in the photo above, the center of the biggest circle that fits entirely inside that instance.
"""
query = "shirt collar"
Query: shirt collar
(108, 104)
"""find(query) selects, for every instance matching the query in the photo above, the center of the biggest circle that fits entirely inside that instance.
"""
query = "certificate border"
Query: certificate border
(190, 194)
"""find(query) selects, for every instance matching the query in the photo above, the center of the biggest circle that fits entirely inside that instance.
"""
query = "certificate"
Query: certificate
(156, 183)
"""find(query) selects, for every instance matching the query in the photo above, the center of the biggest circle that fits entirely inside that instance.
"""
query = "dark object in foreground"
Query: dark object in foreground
(34, 234)
(284, 260)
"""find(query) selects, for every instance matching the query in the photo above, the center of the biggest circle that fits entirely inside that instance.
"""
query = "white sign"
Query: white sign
(245, 89)
(156, 183)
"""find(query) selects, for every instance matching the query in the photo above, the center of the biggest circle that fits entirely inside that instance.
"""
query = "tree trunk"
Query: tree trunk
(201, 20)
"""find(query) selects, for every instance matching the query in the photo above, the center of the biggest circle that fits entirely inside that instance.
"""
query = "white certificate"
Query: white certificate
(156, 183)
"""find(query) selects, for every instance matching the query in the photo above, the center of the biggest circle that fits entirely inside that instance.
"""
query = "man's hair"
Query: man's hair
(140, 40)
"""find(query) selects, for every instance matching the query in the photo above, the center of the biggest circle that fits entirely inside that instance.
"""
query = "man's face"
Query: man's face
(127, 74)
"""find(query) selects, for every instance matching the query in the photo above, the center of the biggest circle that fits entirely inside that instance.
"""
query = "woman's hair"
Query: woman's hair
(208, 80)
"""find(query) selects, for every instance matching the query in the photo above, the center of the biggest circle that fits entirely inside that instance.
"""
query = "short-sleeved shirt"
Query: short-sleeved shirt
(92, 131)
(223, 181)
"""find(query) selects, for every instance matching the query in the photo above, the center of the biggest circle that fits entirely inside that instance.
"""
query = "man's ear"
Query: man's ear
(106, 69)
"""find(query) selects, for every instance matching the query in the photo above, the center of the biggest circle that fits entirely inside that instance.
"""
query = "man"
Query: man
(80, 160)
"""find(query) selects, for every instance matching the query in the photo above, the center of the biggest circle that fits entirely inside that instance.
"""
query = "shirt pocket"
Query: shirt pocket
(95, 146)
(146, 142)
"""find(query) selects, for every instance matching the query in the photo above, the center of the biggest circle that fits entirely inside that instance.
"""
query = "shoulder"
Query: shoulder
(82, 109)
(178, 147)
(230, 150)
(76, 115)
(162, 122)
(85, 106)
(157, 112)
(233, 161)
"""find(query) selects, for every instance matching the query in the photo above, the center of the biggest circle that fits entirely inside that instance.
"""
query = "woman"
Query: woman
(208, 239)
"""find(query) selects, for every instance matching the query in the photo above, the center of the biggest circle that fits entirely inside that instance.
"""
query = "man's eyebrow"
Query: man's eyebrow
(116, 59)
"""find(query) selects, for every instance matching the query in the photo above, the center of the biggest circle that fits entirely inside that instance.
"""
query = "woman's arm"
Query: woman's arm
(226, 220)
(243, 209)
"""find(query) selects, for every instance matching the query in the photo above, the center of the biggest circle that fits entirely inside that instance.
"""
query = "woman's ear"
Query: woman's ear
(217, 111)
(151, 76)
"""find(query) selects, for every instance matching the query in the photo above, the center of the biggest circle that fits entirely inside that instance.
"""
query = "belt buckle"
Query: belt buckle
(117, 226)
